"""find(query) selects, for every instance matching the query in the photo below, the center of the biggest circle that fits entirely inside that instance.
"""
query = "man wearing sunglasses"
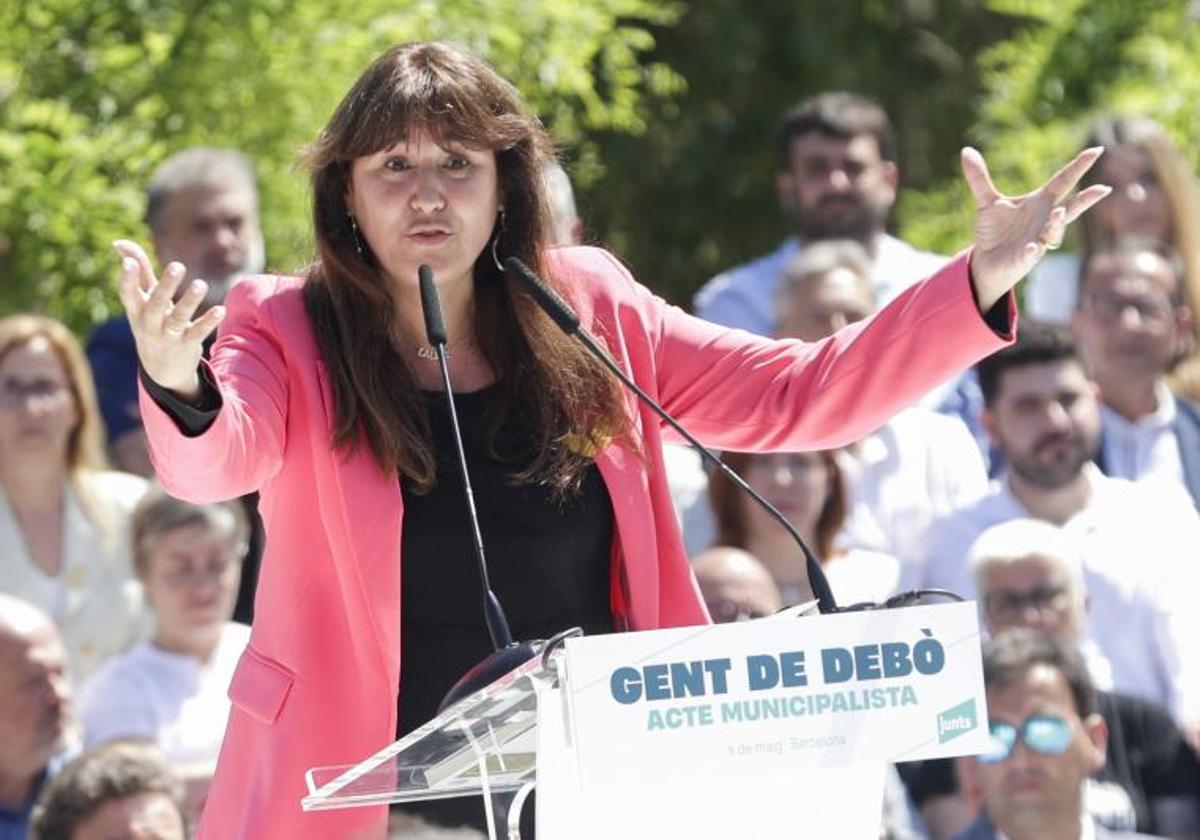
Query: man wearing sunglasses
(1028, 575)
(1047, 740)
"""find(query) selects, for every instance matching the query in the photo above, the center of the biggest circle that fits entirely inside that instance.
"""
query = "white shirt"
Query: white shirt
(95, 599)
(917, 467)
(1052, 288)
(688, 482)
(173, 699)
(858, 575)
(745, 296)
(1140, 544)
(1145, 447)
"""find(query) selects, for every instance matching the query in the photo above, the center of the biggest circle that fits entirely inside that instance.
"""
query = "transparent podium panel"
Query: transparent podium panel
(485, 744)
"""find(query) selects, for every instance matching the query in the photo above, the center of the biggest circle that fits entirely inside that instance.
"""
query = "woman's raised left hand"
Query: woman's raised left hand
(1013, 232)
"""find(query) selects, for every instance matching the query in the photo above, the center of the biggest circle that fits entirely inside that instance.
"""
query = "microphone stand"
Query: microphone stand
(506, 655)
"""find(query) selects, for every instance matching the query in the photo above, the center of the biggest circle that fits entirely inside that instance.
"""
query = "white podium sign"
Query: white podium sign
(771, 697)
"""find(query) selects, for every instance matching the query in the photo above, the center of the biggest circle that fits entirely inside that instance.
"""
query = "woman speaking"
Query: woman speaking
(321, 394)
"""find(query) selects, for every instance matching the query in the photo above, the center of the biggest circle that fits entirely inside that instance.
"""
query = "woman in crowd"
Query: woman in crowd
(173, 688)
(809, 490)
(1155, 197)
(63, 516)
(321, 392)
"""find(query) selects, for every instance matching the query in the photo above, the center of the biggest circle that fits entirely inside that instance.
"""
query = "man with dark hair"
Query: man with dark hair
(1138, 541)
(123, 789)
(1047, 740)
(837, 179)
(1133, 324)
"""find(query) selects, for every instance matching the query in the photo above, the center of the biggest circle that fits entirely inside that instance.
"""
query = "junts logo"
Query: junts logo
(956, 721)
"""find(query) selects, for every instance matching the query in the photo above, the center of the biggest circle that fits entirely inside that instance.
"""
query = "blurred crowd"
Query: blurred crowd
(1057, 484)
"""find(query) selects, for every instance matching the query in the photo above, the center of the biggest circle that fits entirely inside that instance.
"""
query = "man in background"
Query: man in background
(202, 211)
(1133, 324)
(837, 179)
(1047, 740)
(35, 710)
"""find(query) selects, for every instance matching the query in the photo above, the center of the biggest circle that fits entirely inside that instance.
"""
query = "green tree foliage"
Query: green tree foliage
(1068, 62)
(95, 93)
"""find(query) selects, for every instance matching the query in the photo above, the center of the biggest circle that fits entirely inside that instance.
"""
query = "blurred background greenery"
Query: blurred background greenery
(665, 111)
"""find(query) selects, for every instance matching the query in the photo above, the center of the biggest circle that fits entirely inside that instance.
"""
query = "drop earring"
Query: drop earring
(496, 242)
(356, 235)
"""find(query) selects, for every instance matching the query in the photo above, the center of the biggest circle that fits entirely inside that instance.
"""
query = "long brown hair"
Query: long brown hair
(547, 384)
(729, 504)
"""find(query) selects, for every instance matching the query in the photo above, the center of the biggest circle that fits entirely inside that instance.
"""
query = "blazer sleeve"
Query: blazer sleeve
(735, 390)
(243, 448)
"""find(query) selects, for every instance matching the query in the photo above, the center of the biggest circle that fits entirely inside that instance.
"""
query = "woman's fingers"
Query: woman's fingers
(1055, 229)
(162, 297)
(979, 180)
(129, 289)
(179, 318)
(131, 250)
(1065, 179)
(205, 324)
(1082, 202)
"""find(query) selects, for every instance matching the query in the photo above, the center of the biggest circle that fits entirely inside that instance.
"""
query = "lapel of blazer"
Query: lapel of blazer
(634, 570)
(335, 499)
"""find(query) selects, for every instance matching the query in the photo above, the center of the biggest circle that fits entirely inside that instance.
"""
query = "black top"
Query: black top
(548, 559)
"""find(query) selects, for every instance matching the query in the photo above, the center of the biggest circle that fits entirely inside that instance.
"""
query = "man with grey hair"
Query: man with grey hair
(202, 211)
(35, 710)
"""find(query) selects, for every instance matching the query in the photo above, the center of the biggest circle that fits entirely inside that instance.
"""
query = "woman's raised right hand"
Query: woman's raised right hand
(170, 339)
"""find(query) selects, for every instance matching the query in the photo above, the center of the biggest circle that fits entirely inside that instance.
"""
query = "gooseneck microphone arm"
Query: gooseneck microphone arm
(435, 330)
(562, 315)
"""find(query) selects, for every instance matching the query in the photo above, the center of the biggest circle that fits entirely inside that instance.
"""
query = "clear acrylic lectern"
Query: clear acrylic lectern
(484, 745)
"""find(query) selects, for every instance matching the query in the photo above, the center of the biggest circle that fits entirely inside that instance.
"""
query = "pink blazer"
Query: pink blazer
(317, 685)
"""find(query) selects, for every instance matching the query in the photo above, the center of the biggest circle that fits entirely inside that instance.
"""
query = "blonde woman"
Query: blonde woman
(63, 515)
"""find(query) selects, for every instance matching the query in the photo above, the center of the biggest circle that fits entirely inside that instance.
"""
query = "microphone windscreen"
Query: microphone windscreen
(553, 305)
(431, 307)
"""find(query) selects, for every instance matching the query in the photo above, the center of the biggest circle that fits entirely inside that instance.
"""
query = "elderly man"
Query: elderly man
(1047, 740)
(202, 211)
(1132, 324)
(35, 710)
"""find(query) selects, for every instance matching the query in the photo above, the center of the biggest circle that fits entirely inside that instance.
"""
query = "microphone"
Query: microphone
(562, 314)
(506, 654)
